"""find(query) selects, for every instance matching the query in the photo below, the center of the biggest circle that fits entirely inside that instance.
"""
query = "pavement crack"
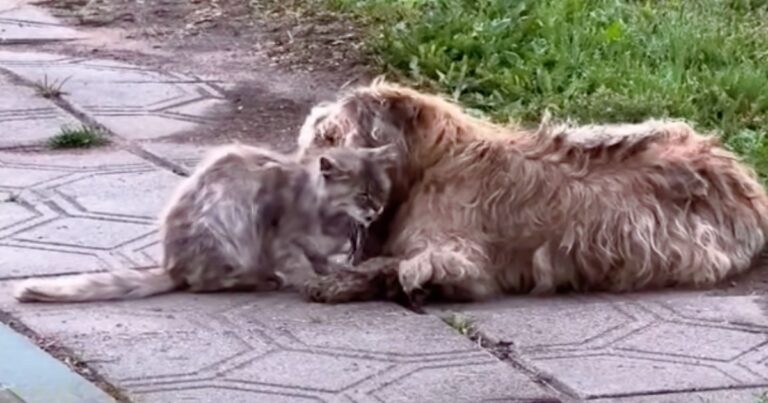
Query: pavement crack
(505, 352)
(126, 144)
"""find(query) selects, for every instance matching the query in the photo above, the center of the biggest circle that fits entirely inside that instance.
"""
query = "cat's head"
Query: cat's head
(356, 181)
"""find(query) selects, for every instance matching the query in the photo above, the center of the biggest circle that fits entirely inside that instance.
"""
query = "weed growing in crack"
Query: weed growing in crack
(762, 398)
(82, 136)
(50, 89)
(461, 323)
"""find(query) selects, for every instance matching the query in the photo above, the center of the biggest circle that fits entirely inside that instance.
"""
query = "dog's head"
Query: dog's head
(371, 116)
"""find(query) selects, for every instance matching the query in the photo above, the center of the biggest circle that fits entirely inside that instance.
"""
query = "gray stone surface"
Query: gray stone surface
(79, 211)
(611, 346)
(133, 102)
(25, 117)
(254, 347)
(186, 155)
(748, 395)
(23, 23)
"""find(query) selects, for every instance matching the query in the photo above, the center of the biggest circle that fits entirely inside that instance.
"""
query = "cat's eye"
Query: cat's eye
(362, 198)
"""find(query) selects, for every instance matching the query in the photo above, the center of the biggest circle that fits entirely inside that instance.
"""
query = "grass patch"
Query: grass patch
(82, 136)
(591, 61)
(50, 89)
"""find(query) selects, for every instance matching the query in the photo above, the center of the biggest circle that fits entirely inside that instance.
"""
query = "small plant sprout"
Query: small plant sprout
(50, 89)
(462, 323)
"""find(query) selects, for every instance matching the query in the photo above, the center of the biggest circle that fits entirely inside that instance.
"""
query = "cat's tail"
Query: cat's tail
(112, 285)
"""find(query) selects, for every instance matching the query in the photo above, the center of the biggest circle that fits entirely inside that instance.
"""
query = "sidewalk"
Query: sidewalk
(89, 210)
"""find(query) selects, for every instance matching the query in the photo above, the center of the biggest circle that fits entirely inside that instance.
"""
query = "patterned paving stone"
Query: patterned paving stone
(18, 261)
(298, 369)
(86, 233)
(186, 155)
(643, 344)
(225, 393)
(95, 160)
(12, 213)
(481, 382)
(119, 193)
(79, 211)
(20, 22)
(25, 117)
(21, 178)
(106, 91)
(245, 347)
(748, 395)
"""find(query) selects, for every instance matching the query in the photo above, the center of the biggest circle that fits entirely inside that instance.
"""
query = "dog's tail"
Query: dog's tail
(120, 284)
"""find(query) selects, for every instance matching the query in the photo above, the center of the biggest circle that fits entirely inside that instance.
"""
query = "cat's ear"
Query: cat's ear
(329, 167)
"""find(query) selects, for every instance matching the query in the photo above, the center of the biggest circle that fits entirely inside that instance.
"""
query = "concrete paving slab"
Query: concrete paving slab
(118, 194)
(26, 118)
(274, 346)
(748, 395)
(98, 160)
(22, 23)
(613, 346)
(186, 155)
(79, 211)
(23, 178)
(86, 233)
(133, 102)
(19, 261)
(13, 213)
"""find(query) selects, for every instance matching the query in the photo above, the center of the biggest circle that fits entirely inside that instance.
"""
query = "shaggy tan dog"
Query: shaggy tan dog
(485, 209)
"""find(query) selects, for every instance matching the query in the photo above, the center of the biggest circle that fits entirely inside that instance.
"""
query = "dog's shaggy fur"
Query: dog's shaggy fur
(482, 209)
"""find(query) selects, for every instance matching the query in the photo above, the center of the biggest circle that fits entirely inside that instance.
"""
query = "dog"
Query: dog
(480, 209)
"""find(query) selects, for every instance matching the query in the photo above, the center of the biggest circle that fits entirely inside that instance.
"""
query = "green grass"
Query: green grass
(82, 136)
(592, 61)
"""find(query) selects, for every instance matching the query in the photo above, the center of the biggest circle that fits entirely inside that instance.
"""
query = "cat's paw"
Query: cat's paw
(320, 289)
(342, 286)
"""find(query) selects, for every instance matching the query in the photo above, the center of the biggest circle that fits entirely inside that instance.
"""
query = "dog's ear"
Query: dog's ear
(386, 155)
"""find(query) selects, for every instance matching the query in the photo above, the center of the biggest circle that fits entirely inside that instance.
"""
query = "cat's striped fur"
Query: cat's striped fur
(247, 219)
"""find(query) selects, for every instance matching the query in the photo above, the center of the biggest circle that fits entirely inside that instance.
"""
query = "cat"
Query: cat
(249, 219)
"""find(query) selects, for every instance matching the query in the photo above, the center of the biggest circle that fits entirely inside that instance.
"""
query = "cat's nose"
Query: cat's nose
(369, 217)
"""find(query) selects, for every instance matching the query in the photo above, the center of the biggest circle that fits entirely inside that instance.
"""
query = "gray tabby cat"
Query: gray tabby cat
(248, 219)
